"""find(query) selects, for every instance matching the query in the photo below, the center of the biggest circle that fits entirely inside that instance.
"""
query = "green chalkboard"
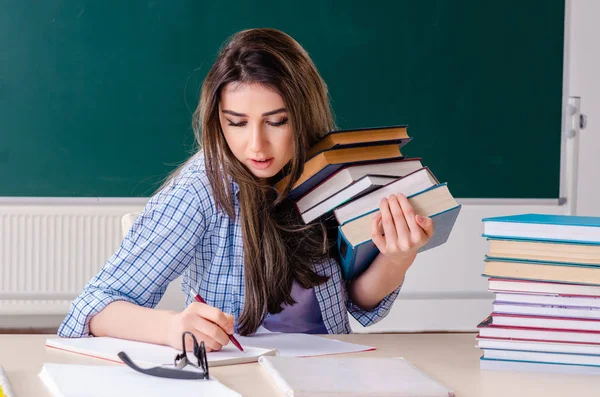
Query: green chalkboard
(96, 96)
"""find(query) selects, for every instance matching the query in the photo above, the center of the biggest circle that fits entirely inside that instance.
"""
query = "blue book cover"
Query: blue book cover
(546, 219)
(545, 241)
(536, 261)
(355, 260)
(544, 227)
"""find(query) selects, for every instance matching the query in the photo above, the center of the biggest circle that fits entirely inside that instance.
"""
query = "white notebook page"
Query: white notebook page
(69, 380)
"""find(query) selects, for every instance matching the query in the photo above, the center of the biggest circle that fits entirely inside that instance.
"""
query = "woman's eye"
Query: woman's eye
(278, 123)
(240, 124)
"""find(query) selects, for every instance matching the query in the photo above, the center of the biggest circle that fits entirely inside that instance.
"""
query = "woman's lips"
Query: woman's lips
(262, 165)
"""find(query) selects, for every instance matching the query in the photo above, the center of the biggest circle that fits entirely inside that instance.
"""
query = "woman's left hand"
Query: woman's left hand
(398, 232)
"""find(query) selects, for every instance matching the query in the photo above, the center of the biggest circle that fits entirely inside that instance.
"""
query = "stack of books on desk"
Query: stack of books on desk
(346, 175)
(545, 273)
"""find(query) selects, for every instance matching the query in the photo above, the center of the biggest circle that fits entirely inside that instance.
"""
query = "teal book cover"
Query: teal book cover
(535, 262)
(544, 227)
(489, 258)
(355, 260)
(548, 219)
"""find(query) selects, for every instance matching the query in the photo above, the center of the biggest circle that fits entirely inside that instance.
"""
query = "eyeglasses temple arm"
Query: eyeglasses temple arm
(159, 371)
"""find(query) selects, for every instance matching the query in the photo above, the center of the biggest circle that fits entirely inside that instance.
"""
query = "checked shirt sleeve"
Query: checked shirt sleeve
(370, 317)
(157, 249)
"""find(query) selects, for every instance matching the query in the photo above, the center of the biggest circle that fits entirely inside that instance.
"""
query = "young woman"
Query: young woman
(219, 222)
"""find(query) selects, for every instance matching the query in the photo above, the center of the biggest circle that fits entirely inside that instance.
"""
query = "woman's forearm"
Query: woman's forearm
(378, 281)
(125, 320)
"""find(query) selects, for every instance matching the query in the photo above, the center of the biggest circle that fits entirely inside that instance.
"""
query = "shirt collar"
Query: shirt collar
(235, 188)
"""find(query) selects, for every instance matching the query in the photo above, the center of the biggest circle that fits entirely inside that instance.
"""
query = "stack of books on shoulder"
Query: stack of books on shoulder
(545, 273)
(347, 174)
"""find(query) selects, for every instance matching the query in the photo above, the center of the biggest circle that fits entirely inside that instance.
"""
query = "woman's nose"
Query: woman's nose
(257, 139)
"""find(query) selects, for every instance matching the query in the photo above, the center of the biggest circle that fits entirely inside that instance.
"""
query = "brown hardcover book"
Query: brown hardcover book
(360, 137)
(542, 272)
(326, 163)
(545, 251)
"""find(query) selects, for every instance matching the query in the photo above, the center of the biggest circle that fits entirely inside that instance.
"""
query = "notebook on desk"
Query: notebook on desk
(345, 376)
(68, 380)
(261, 344)
(150, 354)
(301, 345)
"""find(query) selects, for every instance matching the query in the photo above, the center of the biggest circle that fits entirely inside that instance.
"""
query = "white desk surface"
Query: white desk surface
(451, 358)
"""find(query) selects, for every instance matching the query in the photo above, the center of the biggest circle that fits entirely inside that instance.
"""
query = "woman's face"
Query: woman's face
(255, 124)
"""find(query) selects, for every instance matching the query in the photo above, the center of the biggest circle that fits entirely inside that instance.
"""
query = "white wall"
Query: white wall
(584, 81)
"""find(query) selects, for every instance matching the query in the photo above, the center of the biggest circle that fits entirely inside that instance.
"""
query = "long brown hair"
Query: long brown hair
(278, 248)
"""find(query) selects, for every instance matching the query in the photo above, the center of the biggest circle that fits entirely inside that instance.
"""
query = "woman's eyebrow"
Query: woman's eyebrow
(270, 113)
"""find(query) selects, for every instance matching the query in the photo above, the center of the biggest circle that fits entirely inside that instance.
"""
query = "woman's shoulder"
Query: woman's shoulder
(192, 174)
(190, 183)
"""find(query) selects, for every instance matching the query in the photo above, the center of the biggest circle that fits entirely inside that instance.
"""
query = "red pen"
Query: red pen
(198, 298)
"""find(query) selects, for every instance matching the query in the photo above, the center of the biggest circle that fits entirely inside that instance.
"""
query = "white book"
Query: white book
(150, 354)
(553, 300)
(542, 357)
(540, 334)
(539, 346)
(351, 173)
(69, 380)
(521, 366)
(516, 320)
(364, 185)
(550, 311)
(568, 228)
(539, 287)
(409, 185)
(345, 376)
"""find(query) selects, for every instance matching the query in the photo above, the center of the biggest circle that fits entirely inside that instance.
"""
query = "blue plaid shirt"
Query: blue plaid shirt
(181, 232)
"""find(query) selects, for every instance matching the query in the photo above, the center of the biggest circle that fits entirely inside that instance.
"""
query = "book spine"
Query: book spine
(283, 386)
(312, 182)
(355, 260)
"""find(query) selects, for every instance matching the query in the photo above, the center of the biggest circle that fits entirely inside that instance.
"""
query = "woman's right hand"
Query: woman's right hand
(207, 323)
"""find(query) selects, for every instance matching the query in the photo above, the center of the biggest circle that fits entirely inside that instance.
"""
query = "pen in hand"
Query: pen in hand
(198, 298)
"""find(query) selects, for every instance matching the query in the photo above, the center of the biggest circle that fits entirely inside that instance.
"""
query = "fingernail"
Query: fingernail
(420, 219)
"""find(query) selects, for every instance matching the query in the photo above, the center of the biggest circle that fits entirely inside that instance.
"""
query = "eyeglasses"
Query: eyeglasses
(181, 361)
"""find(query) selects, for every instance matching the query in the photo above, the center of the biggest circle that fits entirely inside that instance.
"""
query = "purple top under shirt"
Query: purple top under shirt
(303, 317)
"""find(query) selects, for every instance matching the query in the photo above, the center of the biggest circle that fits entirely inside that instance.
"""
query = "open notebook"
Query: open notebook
(68, 380)
(262, 344)
(151, 354)
(301, 345)
(345, 376)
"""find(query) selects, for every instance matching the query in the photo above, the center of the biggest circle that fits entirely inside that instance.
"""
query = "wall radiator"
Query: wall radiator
(49, 252)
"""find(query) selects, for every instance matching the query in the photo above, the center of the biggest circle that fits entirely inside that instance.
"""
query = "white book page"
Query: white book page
(68, 380)
(300, 345)
(151, 354)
